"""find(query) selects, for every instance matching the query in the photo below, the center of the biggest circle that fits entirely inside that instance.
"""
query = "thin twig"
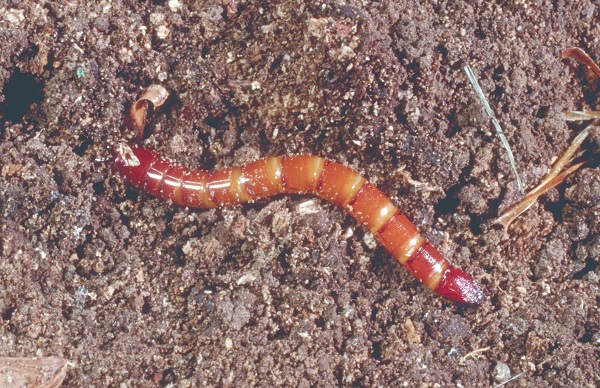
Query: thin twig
(567, 156)
(495, 122)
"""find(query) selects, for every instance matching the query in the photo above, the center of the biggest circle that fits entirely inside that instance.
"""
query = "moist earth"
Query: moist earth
(290, 290)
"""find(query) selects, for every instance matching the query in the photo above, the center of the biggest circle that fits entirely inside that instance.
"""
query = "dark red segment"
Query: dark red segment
(155, 175)
(460, 287)
(135, 175)
(171, 184)
(427, 265)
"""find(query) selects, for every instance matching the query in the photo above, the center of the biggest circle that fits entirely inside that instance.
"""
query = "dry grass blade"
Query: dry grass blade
(495, 122)
(516, 210)
(40, 372)
(580, 56)
(567, 156)
(555, 177)
(576, 115)
(154, 95)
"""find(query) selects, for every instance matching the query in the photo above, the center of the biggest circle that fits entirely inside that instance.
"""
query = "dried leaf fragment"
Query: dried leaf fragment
(155, 96)
(41, 372)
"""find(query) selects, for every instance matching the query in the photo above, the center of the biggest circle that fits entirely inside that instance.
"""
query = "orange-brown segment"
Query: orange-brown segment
(371, 207)
(400, 237)
(301, 173)
(263, 177)
(195, 189)
(225, 186)
(339, 184)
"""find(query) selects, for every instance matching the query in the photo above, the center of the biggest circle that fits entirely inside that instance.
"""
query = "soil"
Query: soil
(135, 291)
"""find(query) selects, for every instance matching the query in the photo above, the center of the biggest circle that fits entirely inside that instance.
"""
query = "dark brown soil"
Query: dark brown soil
(291, 291)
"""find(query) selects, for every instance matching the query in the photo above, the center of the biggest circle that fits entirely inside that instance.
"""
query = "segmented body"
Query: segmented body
(304, 174)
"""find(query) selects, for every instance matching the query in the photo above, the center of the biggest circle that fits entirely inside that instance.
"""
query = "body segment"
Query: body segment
(311, 175)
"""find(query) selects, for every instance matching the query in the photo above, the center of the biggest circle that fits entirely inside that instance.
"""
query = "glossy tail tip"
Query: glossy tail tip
(460, 287)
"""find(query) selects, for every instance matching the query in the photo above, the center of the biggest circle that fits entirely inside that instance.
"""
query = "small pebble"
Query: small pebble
(501, 372)
(162, 32)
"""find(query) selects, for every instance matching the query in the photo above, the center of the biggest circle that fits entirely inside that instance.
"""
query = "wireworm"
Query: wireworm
(304, 174)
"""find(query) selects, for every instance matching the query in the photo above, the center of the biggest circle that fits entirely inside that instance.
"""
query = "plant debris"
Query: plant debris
(41, 372)
(558, 174)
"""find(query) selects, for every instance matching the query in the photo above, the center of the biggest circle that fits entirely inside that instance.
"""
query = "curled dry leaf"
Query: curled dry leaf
(154, 95)
(580, 56)
(41, 372)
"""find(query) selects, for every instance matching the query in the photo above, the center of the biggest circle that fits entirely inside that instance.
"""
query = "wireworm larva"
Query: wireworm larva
(306, 174)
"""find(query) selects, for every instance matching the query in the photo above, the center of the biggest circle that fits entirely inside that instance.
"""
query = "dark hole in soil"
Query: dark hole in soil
(168, 378)
(320, 323)
(8, 314)
(180, 260)
(543, 112)
(377, 350)
(498, 73)
(81, 148)
(449, 204)
(443, 50)
(587, 337)
(590, 265)
(21, 90)
(374, 313)
(283, 261)
(99, 188)
(280, 334)
(499, 92)
(146, 308)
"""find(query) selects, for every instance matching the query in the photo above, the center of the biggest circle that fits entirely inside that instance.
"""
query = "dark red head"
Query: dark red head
(460, 287)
